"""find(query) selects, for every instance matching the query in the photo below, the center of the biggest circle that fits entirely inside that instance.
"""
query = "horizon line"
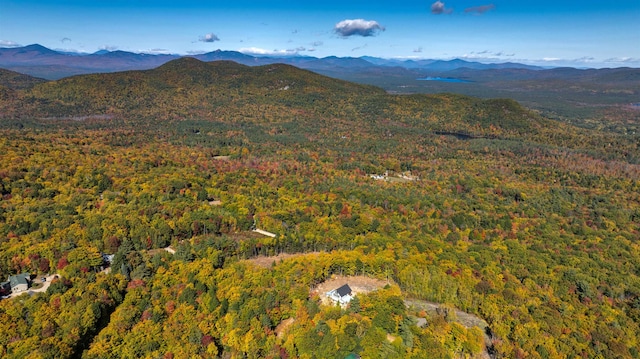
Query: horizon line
(546, 63)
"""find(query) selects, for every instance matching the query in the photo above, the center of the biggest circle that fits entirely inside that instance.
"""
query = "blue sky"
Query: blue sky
(578, 33)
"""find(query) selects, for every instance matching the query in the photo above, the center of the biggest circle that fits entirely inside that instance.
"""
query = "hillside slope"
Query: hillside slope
(186, 88)
(224, 91)
(18, 81)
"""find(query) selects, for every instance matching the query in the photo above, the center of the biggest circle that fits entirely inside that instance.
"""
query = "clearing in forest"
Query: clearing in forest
(358, 284)
(282, 327)
(267, 262)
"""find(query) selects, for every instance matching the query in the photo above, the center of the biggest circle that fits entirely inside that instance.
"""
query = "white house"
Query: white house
(342, 295)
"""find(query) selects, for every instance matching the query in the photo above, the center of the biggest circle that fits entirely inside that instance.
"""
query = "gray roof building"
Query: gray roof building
(20, 282)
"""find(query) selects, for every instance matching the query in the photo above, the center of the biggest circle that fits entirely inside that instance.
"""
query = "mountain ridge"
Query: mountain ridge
(24, 59)
(563, 93)
(226, 91)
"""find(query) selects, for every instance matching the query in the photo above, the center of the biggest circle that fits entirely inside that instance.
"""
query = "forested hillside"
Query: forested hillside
(482, 205)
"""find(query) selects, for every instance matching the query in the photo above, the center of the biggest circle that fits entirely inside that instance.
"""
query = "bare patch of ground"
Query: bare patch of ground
(244, 235)
(358, 284)
(399, 180)
(155, 251)
(265, 233)
(282, 327)
(466, 319)
(267, 262)
(391, 338)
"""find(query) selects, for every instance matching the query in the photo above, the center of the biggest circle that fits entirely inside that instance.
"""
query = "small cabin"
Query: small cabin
(342, 295)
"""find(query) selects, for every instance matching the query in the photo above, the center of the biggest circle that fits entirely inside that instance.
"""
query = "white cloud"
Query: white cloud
(585, 59)
(360, 27)
(109, 47)
(486, 55)
(70, 51)
(254, 51)
(575, 62)
(559, 61)
(195, 52)
(624, 59)
(583, 62)
(210, 37)
(276, 52)
(438, 8)
(155, 52)
(7, 43)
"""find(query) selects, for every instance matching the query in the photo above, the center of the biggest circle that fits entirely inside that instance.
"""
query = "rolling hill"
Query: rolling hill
(225, 91)
(17, 81)
(188, 88)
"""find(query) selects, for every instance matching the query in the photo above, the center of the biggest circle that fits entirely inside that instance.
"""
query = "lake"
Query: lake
(443, 79)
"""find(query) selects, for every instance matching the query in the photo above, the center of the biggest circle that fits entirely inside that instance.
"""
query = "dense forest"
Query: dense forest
(481, 205)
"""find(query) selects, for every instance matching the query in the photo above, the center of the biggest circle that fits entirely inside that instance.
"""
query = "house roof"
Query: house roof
(344, 290)
(19, 279)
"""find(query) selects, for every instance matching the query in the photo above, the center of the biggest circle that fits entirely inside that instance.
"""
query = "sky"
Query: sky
(585, 33)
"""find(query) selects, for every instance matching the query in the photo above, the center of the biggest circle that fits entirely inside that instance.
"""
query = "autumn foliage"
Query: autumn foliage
(480, 205)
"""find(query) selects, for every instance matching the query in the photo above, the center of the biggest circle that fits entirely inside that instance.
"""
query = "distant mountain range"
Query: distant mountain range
(561, 92)
(37, 60)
